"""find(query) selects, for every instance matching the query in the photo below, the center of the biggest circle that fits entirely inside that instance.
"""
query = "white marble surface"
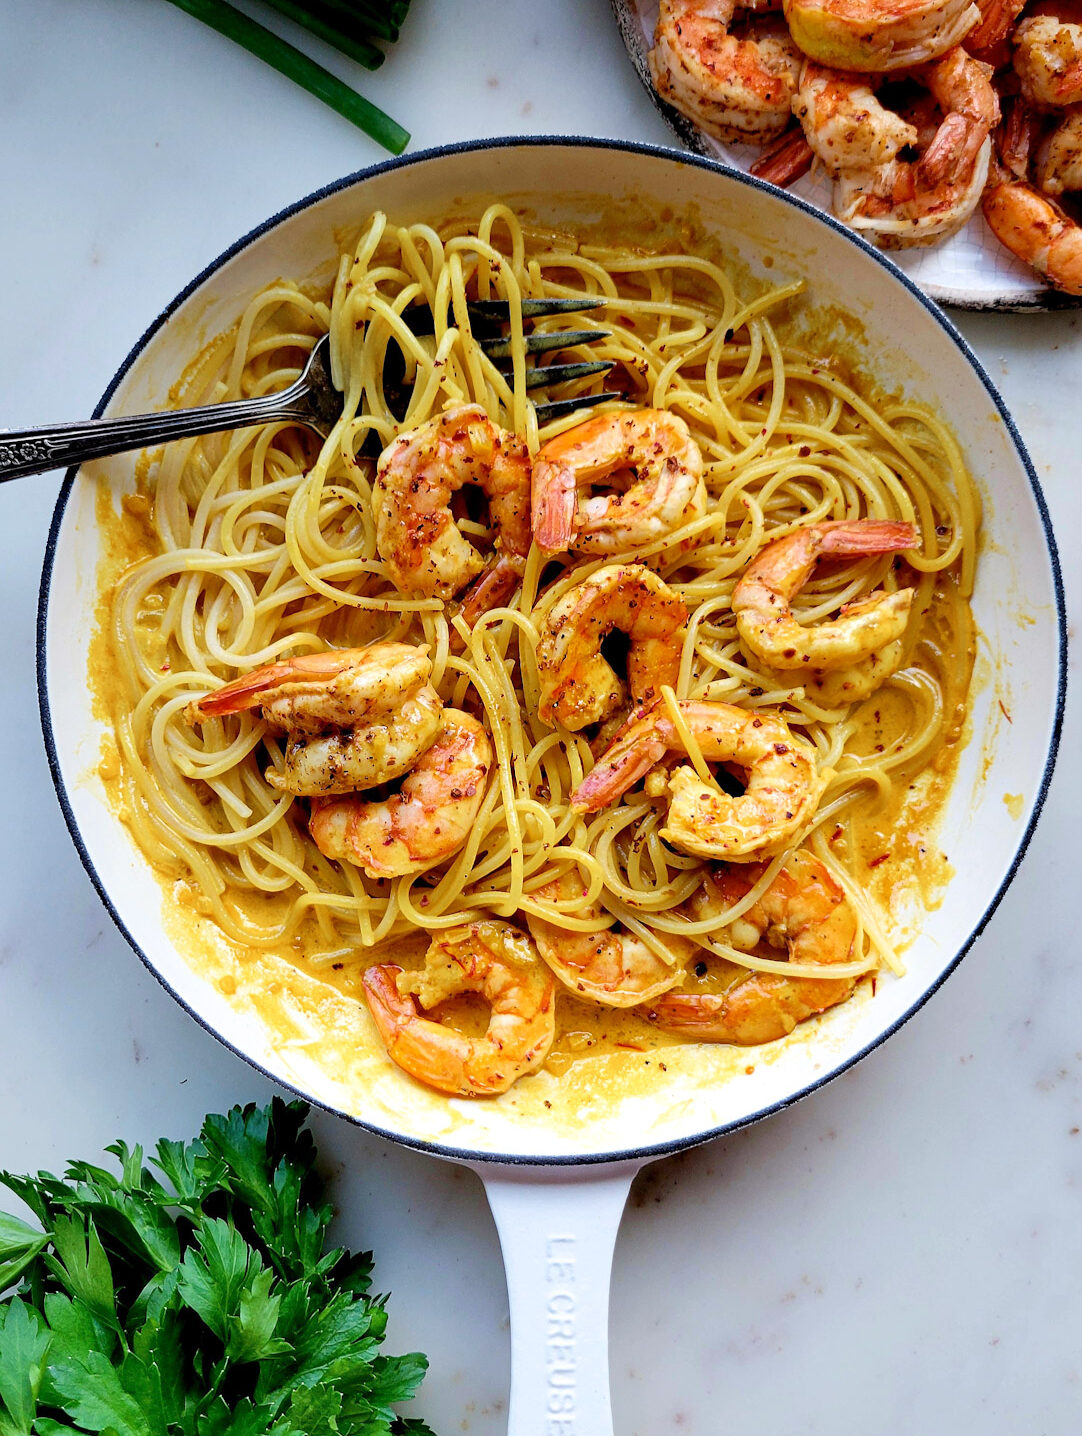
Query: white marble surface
(899, 1253)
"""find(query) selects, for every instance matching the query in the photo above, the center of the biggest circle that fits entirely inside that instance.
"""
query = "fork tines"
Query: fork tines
(488, 318)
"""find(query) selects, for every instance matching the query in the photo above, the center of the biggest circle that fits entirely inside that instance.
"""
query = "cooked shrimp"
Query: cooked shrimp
(1035, 229)
(416, 535)
(649, 454)
(378, 702)
(784, 782)
(844, 123)
(878, 35)
(803, 911)
(867, 636)
(489, 958)
(1058, 168)
(423, 824)
(906, 203)
(578, 686)
(1048, 61)
(733, 89)
(989, 38)
(613, 967)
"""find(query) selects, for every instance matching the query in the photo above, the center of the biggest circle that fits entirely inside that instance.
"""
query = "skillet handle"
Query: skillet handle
(557, 1233)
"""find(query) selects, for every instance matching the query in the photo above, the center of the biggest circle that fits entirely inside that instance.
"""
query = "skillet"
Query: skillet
(557, 1183)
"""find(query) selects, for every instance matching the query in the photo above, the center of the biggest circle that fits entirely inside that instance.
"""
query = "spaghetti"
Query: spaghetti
(261, 544)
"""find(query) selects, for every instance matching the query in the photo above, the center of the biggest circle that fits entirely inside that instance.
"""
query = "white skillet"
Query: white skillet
(557, 1183)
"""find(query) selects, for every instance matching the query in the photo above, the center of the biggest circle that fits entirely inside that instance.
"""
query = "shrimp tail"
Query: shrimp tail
(491, 589)
(241, 694)
(555, 500)
(785, 161)
(616, 773)
(867, 536)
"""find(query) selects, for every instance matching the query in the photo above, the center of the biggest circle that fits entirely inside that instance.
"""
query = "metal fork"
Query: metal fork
(312, 399)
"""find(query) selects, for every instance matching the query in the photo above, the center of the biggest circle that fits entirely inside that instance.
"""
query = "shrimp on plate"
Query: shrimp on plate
(649, 454)
(845, 125)
(863, 646)
(842, 124)
(805, 913)
(735, 89)
(903, 203)
(1048, 61)
(1058, 160)
(784, 780)
(578, 686)
(878, 35)
(1035, 229)
(427, 821)
(355, 716)
(990, 38)
(492, 959)
(417, 538)
(612, 966)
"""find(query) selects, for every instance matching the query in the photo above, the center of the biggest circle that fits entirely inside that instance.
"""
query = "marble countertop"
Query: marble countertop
(899, 1253)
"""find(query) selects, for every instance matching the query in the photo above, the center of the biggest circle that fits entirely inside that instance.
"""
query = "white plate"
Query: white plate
(971, 270)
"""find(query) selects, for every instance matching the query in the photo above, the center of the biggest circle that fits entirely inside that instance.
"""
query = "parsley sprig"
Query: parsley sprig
(196, 1300)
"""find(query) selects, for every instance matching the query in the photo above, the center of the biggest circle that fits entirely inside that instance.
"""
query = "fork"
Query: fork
(311, 399)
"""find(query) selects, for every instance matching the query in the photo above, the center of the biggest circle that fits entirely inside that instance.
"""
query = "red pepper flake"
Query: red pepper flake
(1003, 710)
(630, 1047)
(836, 834)
(880, 859)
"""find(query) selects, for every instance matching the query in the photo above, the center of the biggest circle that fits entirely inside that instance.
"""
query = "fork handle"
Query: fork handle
(56, 446)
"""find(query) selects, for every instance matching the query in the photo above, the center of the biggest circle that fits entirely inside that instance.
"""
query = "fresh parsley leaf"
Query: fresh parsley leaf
(82, 1268)
(19, 1246)
(91, 1390)
(196, 1299)
(24, 1342)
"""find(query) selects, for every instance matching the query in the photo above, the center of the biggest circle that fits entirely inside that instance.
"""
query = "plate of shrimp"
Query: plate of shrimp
(948, 132)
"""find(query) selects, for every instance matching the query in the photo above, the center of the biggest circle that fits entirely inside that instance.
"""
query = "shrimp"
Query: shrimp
(866, 640)
(1034, 228)
(784, 781)
(988, 40)
(904, 203)
(1048, 61)
(1058, 168)
(878, 35)
(651, 449)
(845, 125)
(803, 911)
(736, 90)
(613, 967)
(578, 687)
(356, 716)
(416, 536)
(424, 823)
(492, 959)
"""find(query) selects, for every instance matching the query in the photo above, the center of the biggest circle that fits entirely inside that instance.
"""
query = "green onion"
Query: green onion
(376, 18)
(297, 67)
(330, 30)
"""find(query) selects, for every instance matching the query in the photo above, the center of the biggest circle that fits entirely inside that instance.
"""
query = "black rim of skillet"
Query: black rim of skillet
(661, 1149)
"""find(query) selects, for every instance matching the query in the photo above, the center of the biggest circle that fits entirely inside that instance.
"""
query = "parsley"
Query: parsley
(194, 1300)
